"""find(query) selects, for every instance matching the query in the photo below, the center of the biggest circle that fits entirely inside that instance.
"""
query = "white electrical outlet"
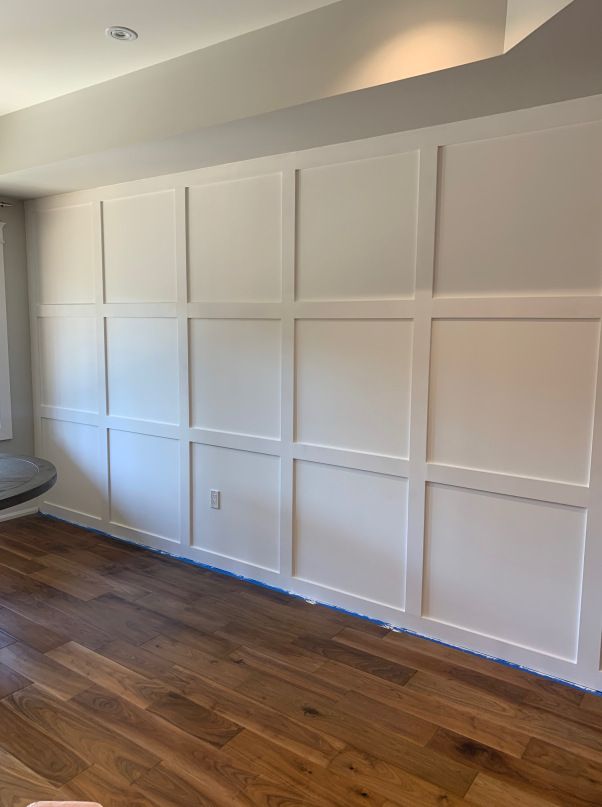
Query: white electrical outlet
(215, 499)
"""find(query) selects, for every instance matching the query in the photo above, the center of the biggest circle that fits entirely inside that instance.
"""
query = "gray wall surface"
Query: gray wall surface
(17, 310)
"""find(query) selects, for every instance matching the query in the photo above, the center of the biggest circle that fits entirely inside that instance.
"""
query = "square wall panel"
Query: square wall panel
(514, 396)
(520, 215)
(75, 450)
(356, 229)
(350, 531)
(65, 254)
(247, 525)
(234, 361)
(235, 240)
(68, 362)
(140, 249)
(144, 477)
(504, 567)
(142, 368)
(353, 384)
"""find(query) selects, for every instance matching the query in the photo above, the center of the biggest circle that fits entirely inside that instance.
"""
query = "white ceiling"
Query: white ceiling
(53, 47)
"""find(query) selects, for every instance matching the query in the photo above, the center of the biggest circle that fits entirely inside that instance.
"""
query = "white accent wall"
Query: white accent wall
(384, 354)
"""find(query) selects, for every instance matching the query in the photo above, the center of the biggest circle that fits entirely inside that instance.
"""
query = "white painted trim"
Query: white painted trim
(9, 515)
(422, 309)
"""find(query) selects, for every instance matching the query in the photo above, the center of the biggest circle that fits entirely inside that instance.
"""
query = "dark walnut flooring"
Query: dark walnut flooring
(132, 679)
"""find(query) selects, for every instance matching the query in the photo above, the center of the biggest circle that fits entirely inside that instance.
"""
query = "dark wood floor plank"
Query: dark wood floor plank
(19, 547)
(20, 785)
(471, 671)
(341, 719)
(322, 787)
(540, 723)
(155, 668)
(177, 748)
(592, 703)
(6, 638)
(96, 669)
(263, 603)
(585, 774)
(43, 670)
(375, 665)
(500, 672)
(262, 661)
(83, 570)
(486, 791)
(169, 788)
(18, 563)
(45, 755)
(135, 680)
(123, 760)
(195, 719)
(205, 642)
(290, 732)
(95, 784)
(71, 583)
(31, 633)
(11, 681)
(55, 621)
(470, 697)
(110, 615)
(415, 785)
(542, 782)
(36, 532)
(449, 715)
(224, 671)
(136, 658)
(242, 633)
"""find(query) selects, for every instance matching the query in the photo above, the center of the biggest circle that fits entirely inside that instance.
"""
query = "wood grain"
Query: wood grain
(137, 681)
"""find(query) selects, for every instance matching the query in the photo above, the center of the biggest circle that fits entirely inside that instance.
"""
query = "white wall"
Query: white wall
(384, 354)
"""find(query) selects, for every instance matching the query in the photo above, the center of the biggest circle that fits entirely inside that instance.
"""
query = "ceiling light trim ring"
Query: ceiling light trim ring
(121, 33)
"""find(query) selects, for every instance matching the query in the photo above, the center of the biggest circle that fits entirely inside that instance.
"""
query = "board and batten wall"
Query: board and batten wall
(384, 354)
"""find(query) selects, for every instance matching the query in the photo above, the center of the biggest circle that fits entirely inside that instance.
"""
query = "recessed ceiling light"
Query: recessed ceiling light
(121, 33)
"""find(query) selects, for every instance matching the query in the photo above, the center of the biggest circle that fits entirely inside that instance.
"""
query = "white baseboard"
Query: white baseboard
(10, 514)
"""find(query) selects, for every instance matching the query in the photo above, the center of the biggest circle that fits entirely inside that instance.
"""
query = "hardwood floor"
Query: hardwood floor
(137, 681)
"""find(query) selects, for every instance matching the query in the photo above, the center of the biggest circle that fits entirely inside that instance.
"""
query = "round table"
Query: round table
(23, 478)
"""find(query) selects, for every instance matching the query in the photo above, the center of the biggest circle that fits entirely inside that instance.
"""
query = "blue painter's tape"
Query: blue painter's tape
(260, 584)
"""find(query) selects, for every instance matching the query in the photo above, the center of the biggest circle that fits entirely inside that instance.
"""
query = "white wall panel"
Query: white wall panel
(356, 229)
(350, 531)
(139, 248)
(247, 525)
(234, 240)
(65, 254)
(68, 367)
(521, 215)
(514, 396)
(142, 368)
(235, 360)
(506, 567)
(75, 450)
(272, 330)
(353, 384)
(144, 483)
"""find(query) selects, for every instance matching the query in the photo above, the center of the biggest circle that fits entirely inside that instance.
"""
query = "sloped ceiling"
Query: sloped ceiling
(54, 47)
(288, 87)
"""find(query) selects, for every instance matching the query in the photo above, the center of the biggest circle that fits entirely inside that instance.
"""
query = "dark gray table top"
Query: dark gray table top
(23, 478)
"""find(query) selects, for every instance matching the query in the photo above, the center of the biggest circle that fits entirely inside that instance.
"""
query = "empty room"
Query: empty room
(301, 403)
